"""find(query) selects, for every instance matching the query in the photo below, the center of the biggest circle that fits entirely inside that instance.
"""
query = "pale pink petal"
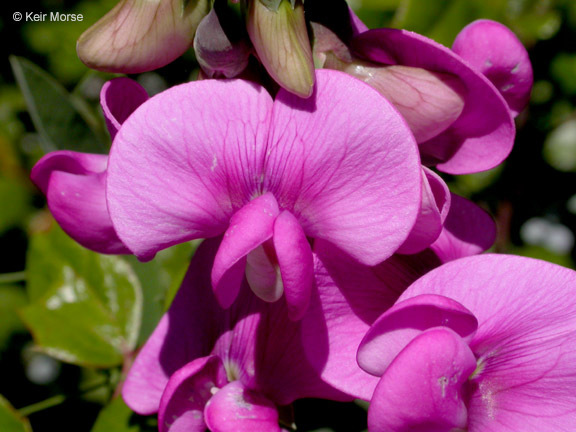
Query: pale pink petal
(494, 50)
(430, 102)
(185, 161)
(74, 185)
(236, 409)
(349, 173)
(296, 263)
(422, 390)
(406, 320)
(119, 98)
(186, 394)
(483, 135)
(250, 226)
(433, 211)
(351, 296)
(263, 272)
(526, 311)
(468, 230)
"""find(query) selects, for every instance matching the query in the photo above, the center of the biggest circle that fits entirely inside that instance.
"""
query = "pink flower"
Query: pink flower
(459, 103)
(214, 158)
(74, 183)
(480, 344)
(351, 296)
(227, 370)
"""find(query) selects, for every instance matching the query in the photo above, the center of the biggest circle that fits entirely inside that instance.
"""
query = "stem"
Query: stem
(12, 277)
(40, 406)
(57, 400)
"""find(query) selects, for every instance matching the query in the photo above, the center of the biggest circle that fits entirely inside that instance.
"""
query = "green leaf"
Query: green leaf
(63, 121)
(86, 308)
(115, 417)
(10, 421)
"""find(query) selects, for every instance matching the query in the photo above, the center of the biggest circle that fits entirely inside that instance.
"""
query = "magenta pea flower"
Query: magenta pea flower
(351, 296)
(459, 103)
(222, 369)
(74, 183)
(213, 158)
(483, 343)
(493, 49)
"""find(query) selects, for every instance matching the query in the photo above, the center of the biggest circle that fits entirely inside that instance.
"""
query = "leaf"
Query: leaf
(10, 421)
(115, 417)
(85, 307)
(62, 120)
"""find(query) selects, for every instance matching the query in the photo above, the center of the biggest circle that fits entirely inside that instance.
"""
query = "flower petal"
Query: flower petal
(430, 102)
(236, 409)
(119, 98)
(74, 185)
(185, 161)
(255, 340)
(340, 170)
(422, 390)
(250, 226)
(186, 332)
(526, 311)
(483, 135)
(186, 394)
(494, 50)
(350, 297)
(296, 263)
(468, 230)
(349, 173)
(433, 211)
(404, 321)
(263, 273)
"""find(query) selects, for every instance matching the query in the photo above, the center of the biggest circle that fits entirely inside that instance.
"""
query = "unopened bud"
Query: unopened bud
(429, 101)
(280, 39)
(220, 48)
(141, 35)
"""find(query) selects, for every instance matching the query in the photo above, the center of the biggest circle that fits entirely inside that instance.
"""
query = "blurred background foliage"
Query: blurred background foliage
(70, 319)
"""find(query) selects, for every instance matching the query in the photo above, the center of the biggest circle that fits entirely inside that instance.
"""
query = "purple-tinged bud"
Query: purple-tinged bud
(429, 101)
(219, 45)
(141, 35)
(277, 29)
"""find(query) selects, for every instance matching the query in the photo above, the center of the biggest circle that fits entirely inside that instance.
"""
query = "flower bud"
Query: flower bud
(278, 32)
(219, 45)
(429, 101)
(141, 35)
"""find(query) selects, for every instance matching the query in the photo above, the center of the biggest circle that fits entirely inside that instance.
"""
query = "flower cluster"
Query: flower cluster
(337, 264)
